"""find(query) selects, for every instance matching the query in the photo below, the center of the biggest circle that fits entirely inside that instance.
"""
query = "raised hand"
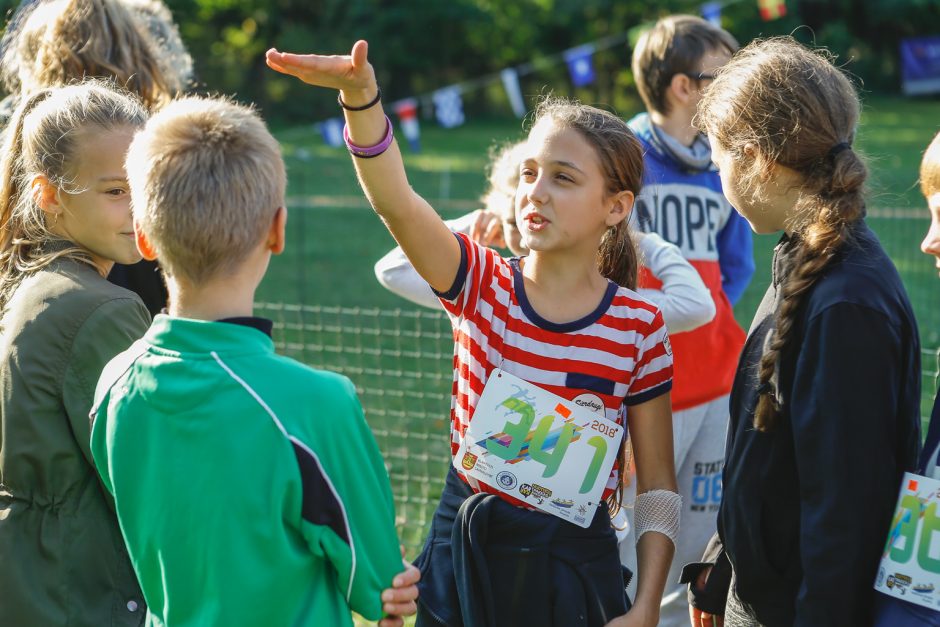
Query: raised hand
(352, 73)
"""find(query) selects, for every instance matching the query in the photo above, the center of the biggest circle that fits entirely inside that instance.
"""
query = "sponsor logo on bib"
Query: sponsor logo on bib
(591, 402)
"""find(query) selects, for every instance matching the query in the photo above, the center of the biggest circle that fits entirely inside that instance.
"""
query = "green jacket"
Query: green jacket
(62, 558)
(248, 486)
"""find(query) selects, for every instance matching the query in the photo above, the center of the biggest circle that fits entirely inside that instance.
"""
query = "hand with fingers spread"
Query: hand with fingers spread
(400, 599)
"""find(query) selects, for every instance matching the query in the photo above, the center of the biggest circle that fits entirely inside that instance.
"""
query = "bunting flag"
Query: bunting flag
(332, 132)
(510, 78)
(580, 64)
(448, 106)
(772, 9)
(407, 112)
(711, 12)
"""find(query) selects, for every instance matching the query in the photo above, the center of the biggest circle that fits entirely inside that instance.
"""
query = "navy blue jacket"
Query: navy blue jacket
(806, 506)
(487, 563)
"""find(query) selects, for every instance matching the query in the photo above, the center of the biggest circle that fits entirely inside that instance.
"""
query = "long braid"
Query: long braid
(792, 108)
(836, 204)
(617, 258)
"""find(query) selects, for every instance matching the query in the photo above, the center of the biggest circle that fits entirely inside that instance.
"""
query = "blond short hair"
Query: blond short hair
(930, 169)
(206, 179)
(502, 177)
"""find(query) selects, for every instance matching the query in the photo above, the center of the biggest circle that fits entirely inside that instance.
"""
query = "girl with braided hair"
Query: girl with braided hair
(824, 407)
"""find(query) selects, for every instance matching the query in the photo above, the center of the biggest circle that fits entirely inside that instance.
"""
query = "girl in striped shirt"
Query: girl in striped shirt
(564, 319)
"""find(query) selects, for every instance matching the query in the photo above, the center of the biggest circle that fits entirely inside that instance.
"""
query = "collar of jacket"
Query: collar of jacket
(695, 159)
(186, 335)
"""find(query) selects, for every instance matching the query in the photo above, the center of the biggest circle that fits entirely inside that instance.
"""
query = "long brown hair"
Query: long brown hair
(69, 40)
(621, 159)
(43, 139)
(799, 111)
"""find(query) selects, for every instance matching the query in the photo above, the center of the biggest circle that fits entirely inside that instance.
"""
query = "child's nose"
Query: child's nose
(538, 190)
(931, 243)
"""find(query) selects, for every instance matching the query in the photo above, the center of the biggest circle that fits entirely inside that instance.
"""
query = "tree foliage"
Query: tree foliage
(420, 45)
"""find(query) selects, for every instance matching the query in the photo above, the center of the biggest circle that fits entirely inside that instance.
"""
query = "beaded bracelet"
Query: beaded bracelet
(375, 101)
(369, 152)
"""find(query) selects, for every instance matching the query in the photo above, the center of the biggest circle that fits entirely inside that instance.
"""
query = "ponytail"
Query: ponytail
(11, 164)
(14, 247)
(617, 257)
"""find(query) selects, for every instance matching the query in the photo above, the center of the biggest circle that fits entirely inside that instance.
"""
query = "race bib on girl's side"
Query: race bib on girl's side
(910, 565)
(539, 448)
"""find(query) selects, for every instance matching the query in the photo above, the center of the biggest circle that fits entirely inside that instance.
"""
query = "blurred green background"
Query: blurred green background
(329, 309)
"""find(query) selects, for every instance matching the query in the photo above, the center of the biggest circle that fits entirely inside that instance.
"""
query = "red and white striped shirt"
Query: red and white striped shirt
(616, 356)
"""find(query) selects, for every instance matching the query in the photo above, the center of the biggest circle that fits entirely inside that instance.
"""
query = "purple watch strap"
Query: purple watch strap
(368, 152)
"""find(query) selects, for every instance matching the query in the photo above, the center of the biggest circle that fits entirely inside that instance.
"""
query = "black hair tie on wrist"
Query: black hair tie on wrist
(375, 101)
(835, 150)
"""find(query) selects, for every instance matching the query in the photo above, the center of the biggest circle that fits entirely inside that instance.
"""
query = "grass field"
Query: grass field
(332, 313)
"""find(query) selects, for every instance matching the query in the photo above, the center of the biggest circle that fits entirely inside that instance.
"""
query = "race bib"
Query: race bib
(539, 448)
(910, 565)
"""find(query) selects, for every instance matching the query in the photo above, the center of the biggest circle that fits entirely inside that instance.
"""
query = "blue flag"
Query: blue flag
(332, 132)
(711, 12)
(581, 65)
(920, 65)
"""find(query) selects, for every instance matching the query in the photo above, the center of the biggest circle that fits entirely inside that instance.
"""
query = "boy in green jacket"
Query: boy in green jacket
(248, 486)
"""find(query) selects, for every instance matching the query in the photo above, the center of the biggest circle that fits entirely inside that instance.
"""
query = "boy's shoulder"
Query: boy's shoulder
(293, 389)
(289, 373)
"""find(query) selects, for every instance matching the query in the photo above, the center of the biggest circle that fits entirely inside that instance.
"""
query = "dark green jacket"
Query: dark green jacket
(62, 558)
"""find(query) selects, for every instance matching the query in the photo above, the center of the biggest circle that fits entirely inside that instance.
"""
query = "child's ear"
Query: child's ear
(766, 168)
(46, 195)
(681, 88)
(620, 208)
(147, 251)
(277, 236)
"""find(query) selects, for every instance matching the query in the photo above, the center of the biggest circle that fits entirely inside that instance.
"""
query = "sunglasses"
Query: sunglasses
(699, 76)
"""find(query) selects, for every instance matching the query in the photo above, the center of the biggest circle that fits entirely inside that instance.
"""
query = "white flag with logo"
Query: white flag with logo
(448, 106)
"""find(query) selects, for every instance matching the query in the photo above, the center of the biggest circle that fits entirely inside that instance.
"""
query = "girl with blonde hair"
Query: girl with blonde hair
(64, 221)
(134, 42)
